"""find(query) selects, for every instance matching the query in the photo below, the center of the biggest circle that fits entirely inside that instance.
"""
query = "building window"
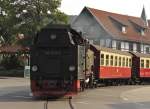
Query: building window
(114, 44)
(102, 42)
(142, 32)
(142, 48)
(146, 49)
(134, 47)
(126, 46)
(118, 45)
(124, 29)
(122, 46)
(96, 42)
(108, 42)
(91, 41)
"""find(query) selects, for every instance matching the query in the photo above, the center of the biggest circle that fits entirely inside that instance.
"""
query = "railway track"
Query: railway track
(69, 102)
(46, 104)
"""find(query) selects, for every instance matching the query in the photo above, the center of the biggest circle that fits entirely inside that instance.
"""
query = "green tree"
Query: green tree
(7, 20)
(27, 17)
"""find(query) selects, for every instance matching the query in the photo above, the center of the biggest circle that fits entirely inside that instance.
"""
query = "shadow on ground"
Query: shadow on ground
(137, 105)
(15, 94)
(22, 94)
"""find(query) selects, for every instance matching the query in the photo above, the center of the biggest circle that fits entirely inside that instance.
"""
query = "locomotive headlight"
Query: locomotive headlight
(34, 68)
(72, 68)
(53, 36)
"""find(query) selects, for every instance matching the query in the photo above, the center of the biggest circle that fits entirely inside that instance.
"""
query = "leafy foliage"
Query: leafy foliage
(27, 17)
(10, 62)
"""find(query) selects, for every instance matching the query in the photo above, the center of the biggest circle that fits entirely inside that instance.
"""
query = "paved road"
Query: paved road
(15, 94)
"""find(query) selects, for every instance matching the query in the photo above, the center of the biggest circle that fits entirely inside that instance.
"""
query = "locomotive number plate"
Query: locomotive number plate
(52, 84)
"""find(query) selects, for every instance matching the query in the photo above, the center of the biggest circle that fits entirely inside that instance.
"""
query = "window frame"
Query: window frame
(107, 60)
(130, 62)
(102, 60)
(123, 62)
(142, 63)
(116, 61)
(120, 61)
(111, 60)
(127, 62)
(147, 64)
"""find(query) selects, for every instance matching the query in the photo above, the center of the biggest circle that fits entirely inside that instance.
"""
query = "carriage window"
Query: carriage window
(107, 60)
(142, 63)
(127, 62)
(147, 63)
(116, 60)
(111, 60)
(119, 61)
(123, 62)
(130, 63)
(102, 59)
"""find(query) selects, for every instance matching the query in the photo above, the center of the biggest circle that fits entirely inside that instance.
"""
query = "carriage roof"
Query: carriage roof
(110, 50)
(141, 55)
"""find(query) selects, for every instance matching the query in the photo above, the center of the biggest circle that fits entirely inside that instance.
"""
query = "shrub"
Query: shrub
(10, 62)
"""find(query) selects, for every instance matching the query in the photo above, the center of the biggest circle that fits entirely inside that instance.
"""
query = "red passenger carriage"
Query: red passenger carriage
(114, 65)
(141, 66)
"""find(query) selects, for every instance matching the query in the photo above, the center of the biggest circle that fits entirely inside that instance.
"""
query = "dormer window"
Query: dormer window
(139, 28)
(142, 32)
(119, 24)
(124, 29)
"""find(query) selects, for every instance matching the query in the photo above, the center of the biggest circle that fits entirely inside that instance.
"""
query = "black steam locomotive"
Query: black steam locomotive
(57, 62)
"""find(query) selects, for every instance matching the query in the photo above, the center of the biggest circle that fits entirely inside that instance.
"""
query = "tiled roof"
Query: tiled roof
(12, 49)
(105, 19)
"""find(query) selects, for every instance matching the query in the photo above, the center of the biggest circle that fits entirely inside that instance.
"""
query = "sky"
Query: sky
(126, 7)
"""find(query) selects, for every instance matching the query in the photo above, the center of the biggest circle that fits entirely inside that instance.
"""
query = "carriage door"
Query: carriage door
(135, 67)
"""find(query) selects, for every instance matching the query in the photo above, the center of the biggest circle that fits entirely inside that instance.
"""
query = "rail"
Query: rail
(70, 103)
